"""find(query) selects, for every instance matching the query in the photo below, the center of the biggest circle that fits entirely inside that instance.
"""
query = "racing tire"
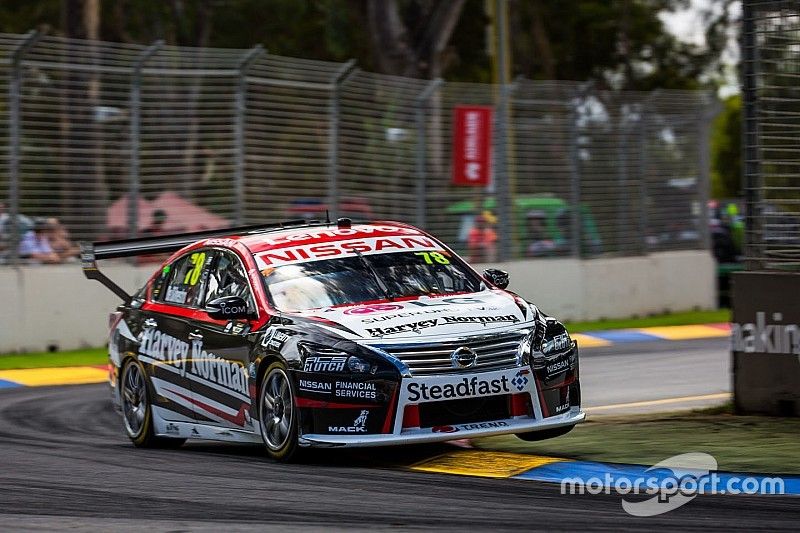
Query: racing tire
(533, 436)
(278, 414)
(137, 414)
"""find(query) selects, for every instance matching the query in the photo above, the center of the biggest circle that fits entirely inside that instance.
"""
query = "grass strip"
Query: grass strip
(86, 357)
(671, 319)
(739, 443)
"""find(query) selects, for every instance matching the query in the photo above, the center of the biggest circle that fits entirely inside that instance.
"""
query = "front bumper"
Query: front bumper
(416, 393)
(420, 436)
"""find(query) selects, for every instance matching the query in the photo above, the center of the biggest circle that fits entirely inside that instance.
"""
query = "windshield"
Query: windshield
(365, 278)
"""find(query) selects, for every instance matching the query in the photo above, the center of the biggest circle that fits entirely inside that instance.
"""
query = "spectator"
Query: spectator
(482, 239)
(157, 226)
(60, 241)
(35, 245)
(541, 244)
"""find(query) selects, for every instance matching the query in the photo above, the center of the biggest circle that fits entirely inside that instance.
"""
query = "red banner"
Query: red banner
(472, 145)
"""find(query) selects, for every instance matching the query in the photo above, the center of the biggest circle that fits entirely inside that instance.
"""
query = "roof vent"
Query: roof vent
(344, 223)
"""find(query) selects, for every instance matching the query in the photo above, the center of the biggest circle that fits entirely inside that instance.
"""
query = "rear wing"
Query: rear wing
(91, 252)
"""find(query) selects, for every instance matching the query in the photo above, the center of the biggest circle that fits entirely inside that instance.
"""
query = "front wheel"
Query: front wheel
(136, 411)
(277, 413)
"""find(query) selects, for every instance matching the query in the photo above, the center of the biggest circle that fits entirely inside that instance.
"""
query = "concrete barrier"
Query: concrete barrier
(44, 306)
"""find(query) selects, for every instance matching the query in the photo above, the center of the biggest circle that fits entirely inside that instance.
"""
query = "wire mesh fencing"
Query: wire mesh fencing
(118, 140)
(771, 70)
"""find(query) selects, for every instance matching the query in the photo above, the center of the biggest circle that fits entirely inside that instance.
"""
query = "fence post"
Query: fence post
(644, 115)
(505, 207)
(241, 109)
(14, 103)
(705, 118)
(337, 81)
(421, 189)
(576, 218)
(135, 114)
(752, 182)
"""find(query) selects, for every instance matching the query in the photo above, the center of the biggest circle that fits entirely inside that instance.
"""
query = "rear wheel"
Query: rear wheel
(136, 411)
(277, 413)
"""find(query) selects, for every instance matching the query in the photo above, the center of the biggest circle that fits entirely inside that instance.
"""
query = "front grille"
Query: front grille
(494, 352)
(465, 411)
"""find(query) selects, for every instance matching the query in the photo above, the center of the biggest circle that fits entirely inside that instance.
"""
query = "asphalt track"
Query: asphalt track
(67, 466)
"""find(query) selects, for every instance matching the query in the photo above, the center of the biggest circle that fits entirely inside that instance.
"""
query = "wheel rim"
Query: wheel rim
(277, 409)
(134, 399)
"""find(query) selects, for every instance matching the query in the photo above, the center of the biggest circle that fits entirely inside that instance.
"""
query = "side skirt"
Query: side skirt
(194, 430)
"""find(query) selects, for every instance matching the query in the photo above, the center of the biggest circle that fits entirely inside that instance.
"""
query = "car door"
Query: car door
(166, 340)
(221, 349)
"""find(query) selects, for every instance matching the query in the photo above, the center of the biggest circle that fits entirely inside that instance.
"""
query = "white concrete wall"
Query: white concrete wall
(572, 289)
(55, 305)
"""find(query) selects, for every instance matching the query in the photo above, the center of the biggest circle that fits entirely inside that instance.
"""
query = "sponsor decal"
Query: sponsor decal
(368, 309)
(761, 337)
(227, 243)
(464, 388)
(407, 314)
(557, 367)
(414, 327)
(479, 319)
(274, 339)
(556, 344)
(359, 425)
(193, 359)
(237, 328)
(172, 429)
(323, 363)
(362, 390)
(307, 385)
(561, 408)
(483, 425)
(470, 427)
(348, 248)
(334, 233)
(520, 380)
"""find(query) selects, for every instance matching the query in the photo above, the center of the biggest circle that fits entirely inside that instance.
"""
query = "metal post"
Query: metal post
(644, 114)
(505, 216)
(420, 106)
(751, 173)
(241, 109)
(705, 118)
(576, 218)
(14, 103)
(135, 118)
(338, 80)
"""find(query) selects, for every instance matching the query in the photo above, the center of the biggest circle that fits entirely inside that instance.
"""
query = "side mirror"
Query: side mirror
(228, 308)
(496, 277)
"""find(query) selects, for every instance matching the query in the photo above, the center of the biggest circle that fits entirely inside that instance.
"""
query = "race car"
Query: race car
(317, 334)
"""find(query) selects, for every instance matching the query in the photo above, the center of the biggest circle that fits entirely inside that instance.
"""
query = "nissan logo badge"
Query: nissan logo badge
(464, 357)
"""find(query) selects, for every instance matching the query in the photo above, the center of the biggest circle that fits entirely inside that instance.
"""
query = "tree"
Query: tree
(411, 41)
(726, 150)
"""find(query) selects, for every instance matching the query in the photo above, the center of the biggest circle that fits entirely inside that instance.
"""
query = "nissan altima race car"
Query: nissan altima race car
(323, 335)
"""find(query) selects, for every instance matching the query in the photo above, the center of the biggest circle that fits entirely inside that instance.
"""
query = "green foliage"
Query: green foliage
(726, 150)
(617, 43)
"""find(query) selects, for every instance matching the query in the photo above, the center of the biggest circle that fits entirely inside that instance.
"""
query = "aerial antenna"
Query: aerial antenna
(327, 217)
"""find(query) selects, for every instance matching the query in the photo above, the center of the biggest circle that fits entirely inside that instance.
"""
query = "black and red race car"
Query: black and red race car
(317, 334)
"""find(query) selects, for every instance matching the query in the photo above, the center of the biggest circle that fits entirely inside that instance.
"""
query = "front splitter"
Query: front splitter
(429, 435)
